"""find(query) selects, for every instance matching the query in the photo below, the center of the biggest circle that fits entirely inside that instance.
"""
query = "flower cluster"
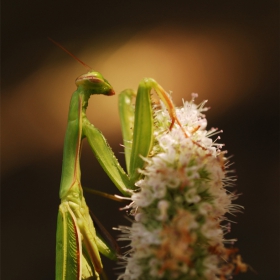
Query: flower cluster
(180, 205)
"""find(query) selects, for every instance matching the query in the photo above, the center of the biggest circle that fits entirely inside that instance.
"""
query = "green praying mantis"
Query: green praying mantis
(77, 244)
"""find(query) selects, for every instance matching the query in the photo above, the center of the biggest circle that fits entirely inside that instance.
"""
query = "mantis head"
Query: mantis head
(94, 83)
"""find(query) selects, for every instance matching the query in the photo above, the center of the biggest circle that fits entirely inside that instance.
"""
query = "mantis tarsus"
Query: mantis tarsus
(78, 246)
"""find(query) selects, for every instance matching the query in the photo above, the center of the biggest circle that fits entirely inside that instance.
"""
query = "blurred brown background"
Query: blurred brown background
(227, 51)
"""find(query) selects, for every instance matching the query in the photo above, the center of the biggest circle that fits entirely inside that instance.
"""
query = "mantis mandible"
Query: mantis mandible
(78, 245)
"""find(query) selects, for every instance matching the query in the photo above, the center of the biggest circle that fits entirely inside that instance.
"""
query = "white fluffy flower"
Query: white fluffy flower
(180, 204)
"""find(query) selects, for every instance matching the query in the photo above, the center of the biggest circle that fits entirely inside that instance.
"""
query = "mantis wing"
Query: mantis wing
(68, 245)
(77, 246)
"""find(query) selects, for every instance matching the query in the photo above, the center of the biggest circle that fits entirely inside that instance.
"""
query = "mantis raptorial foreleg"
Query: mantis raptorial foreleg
(137, 125)
(106, 158)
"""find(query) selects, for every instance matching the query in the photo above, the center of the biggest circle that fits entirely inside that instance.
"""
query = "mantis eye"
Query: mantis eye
(94, 79)
(88, 77)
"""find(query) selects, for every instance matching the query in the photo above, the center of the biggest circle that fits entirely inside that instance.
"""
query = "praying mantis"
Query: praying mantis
(77, 244)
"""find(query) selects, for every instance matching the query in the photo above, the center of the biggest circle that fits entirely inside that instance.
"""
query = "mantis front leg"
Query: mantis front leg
(138, 124)
(138, 129)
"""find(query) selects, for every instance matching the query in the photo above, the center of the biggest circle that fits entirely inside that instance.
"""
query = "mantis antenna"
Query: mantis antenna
(68, 52)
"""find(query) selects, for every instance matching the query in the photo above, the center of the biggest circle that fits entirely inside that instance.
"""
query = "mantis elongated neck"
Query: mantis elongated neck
(71, 173)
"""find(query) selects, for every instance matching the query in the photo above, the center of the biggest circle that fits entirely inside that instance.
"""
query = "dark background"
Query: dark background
(30, 172)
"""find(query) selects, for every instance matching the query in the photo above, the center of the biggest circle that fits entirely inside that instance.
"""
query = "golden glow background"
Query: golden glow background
(224, 51)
